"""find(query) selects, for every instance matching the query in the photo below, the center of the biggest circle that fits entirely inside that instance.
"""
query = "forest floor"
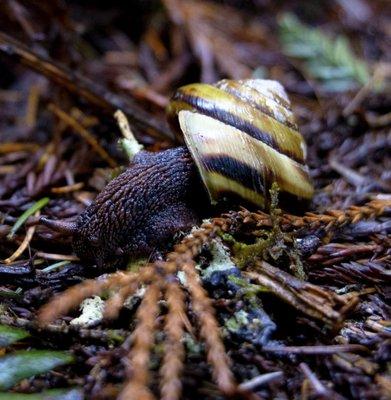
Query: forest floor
(276, 305)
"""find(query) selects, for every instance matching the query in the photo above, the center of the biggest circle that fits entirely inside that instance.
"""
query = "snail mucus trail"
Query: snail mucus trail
(240, 137)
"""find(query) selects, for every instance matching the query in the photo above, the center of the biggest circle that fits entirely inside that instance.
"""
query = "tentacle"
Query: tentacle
(66, 227)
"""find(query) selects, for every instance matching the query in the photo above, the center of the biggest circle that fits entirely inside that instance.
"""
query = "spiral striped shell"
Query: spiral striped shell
(243, 137)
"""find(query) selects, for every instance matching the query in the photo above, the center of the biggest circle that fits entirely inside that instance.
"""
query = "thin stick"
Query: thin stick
(261, 380)
(67, 189)
(129, 143)
(53, 256)
(326, 350)
(32, 107)
(313, 380)
(22, 247)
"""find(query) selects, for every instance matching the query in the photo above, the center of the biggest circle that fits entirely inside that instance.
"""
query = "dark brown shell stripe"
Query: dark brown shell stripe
(235, 170)
(216, 104)
(251, 96)
(290, 176)
(224, 167)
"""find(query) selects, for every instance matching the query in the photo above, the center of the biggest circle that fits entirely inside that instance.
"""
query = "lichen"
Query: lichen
(193, 347)
(221, 260)
(91, 312)
(237, 321)
(134, 265)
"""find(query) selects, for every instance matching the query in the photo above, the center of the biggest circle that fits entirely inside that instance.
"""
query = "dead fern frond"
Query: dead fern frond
(338, 218)
(72, 297)
(209, 331)
(329, 220)
(192, 244)
(174, 351)
(136, 388)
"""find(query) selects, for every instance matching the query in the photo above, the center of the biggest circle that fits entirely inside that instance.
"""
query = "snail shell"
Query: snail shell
(243, 137)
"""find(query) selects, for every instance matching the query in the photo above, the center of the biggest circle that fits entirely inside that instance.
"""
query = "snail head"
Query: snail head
(85, 243)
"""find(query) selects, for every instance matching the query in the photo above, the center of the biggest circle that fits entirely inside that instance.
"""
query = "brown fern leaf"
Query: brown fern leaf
(70, 299)
(192, 244)
(338, 218)
(210, 332)
(174, 351)
(155, 276)
(331, 219)
(136, 388)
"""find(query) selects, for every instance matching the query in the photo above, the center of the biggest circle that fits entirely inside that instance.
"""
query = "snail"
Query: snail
(240, 137)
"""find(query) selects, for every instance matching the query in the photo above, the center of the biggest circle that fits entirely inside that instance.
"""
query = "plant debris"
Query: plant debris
(286, 303)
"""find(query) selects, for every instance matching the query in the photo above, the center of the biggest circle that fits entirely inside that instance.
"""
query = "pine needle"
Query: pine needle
(26, 241)
(22, 219)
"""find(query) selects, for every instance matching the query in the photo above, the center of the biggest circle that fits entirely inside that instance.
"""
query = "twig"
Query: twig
(32, 107)
(129, 143)
(312, 300)
(320, 390)
(67, 189)
(63, 329)
(60, 257)
(261, 380)
(316, 350)
(22, 247)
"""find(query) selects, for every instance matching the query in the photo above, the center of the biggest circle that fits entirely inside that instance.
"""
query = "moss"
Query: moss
(237, 321)
(297, 266)
(270, 243)
(134, 265)
(266, 244)
(249, 291)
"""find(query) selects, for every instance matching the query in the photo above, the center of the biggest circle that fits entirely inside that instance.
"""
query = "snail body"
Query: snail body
(240, 137)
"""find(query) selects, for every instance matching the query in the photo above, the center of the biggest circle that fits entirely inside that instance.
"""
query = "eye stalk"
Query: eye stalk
(65, 227)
